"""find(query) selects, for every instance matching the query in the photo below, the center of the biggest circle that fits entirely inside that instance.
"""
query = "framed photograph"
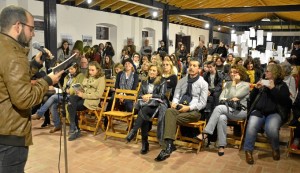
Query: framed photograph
(39, 25)
(67, 37)
(145, 34)
(102, 33)
(87, 40)
(171, 43)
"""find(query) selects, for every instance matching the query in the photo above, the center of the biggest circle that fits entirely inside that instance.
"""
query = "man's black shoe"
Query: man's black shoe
(163, 155)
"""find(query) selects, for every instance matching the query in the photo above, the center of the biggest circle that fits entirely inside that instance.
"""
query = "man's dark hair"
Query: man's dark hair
(199, 64)
(211, 63)
(10, 15)
(296, 42)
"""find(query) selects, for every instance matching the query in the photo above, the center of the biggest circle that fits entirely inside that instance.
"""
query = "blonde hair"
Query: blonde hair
(159, 74)
(276, 71)
(171, 67)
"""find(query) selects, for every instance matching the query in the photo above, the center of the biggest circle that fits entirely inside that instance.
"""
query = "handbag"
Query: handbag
(185, 99)
(152, 102)
(236, 105)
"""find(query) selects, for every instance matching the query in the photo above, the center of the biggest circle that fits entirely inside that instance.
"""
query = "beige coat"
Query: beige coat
(93, 90)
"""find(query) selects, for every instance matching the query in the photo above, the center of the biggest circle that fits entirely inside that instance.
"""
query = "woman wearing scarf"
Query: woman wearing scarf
(128, 80)
(151, 102)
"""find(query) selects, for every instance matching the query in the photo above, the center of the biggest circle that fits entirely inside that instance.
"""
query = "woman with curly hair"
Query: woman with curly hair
(270, 107)
(236, 91)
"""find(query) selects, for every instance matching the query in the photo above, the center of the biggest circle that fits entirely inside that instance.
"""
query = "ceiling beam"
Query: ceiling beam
(262, 23)
(78, 2)
(63, 1)
(107, 4)
(118, 6)
(95, 2)
(136, 10)
(282, 8)
(127, 8)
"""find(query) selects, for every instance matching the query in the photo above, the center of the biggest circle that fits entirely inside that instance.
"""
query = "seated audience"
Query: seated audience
(214, 79)
(289, 79)
(254, 75)
(127, 79)
(270, 108)
(73, 77)
(152, 103)
(235, 92)
(169, 76)
(189, 98)
(144, 71)
(146, 49)
(87, 98)
(296, 122)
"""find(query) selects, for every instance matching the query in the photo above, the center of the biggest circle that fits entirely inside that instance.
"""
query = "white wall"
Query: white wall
(76, 22)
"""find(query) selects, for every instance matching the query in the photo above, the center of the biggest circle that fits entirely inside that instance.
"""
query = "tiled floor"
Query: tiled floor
(93, 154)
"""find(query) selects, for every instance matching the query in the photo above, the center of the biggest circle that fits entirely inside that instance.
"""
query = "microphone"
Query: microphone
(74, 63)
(37, 46)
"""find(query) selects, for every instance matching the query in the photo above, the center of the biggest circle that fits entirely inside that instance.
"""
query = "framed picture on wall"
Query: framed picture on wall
(102, 33)
(145, 34)
(87, 40)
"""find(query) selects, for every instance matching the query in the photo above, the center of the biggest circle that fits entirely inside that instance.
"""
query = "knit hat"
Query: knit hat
(130, 61)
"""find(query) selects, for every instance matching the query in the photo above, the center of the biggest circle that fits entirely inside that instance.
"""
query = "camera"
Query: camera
(178, 107)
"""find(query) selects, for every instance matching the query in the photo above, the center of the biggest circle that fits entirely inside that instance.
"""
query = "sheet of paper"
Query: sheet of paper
(254, 44)
(252, 32)
(260, 37)
(269, 45)
(269, 36)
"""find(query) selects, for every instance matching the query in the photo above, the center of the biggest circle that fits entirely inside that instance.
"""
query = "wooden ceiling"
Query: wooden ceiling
(144, 8)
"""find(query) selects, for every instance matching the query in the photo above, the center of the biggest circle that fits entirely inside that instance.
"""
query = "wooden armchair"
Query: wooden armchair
(187, 141)
(120, 94)
(93, 123)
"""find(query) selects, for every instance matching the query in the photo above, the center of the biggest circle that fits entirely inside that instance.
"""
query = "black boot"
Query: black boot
(164, 154)
(145, 147)
(130, 135)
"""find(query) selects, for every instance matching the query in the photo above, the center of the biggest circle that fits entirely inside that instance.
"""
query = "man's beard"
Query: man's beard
(22, 39)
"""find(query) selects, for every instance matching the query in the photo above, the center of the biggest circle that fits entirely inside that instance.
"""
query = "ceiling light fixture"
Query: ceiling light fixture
(154, 14)
(233, 31)
(266, 20)
(89, 1)
(206, 25)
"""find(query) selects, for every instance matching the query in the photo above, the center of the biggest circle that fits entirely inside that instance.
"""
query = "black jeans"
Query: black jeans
(75, 104)
(140, 122)
(13, 159)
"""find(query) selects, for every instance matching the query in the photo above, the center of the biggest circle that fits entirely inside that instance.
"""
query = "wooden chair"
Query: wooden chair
(187, 141)
(93, 123)
(110, 83)
(120, 115)
(237, 140)
(289, 151)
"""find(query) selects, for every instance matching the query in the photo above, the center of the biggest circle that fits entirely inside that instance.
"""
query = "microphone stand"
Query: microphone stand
(63, 112)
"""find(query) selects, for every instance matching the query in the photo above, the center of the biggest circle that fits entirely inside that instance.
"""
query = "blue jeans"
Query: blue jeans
(13, 159)
(271, 125)
(51, 103)
(219, 118)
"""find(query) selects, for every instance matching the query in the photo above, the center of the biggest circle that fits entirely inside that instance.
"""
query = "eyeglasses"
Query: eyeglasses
(31, 27)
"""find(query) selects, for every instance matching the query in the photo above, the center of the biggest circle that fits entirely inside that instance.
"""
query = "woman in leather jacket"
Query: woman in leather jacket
(151, 96)
(270, 107)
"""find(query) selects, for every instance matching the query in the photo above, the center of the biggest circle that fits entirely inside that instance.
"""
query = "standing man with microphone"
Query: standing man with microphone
(17, 94)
